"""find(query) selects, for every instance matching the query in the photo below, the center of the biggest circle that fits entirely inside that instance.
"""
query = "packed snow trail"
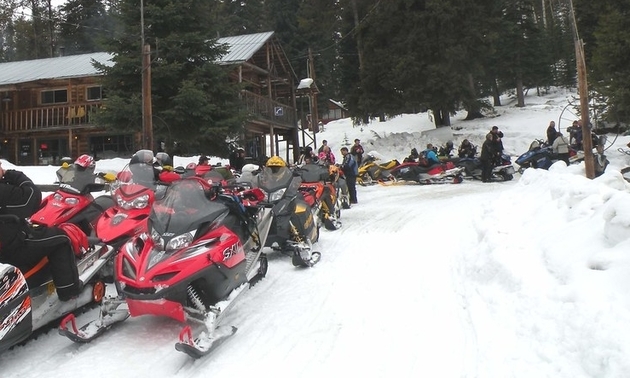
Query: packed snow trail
(413, 284)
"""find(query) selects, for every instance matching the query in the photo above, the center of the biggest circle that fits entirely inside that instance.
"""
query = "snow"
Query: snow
(526, 278)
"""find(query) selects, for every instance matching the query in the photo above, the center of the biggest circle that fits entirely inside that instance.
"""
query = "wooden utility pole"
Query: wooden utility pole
(147, 113)
(314, 115)
(587, 141)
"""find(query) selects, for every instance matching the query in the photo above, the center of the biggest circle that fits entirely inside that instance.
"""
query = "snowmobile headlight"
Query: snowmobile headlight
(140, 202)
(157, 239)
(57, 197)
(180, 241)
(277, 195)
(123, 203)
(71, 201)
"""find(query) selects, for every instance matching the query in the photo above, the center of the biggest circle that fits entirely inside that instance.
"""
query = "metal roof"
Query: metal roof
(240, 49)
(243, 47)
(52, 68)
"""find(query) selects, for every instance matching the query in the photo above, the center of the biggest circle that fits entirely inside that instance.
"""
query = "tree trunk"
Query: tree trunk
(474, 110)
(519, 92)
(495, 93)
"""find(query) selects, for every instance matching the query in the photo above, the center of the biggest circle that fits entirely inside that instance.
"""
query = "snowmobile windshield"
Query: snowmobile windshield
(185, 209)
(75, 179)
(314, 173)
(271, 179)
(143, 174)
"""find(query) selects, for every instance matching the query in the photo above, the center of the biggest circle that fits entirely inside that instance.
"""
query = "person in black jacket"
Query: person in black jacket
(350, 171)
(23, 245)
(487, 156)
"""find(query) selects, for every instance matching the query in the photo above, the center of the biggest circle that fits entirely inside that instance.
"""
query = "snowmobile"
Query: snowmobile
(320, 193)
(416, 173)
(370, 171)
(295, 226)
(73, 202)
(201, 251)
(540, 155)
(28, 300)
(502, 171)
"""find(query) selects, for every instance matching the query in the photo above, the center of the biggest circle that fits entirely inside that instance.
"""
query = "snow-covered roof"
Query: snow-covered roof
(243, 47)
(52, 68)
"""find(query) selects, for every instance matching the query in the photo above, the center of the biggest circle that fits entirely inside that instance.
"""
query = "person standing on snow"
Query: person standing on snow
(350, 170)
(326, 156)
(24, 246)
(357, 151)
(551, 133)
(487, 157)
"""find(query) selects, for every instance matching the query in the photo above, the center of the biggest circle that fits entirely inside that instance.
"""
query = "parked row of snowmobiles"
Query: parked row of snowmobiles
(448, 171)
(184, 248)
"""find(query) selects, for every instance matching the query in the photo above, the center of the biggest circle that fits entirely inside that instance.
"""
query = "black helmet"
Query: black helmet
(449, 144)
(414, 152)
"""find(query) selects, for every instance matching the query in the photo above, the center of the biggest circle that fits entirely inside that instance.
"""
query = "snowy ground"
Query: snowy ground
(526, 278)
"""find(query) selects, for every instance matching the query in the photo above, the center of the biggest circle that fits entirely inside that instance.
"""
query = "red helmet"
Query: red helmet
(84, 161)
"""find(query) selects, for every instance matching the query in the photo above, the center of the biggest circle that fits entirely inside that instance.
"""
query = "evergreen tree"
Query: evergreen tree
(193, 101)
(84, 25)
(611, 72)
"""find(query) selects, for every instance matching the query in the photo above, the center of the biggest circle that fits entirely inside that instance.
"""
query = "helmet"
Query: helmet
(414, 152)
(191, 166)
(163, 158)
(276, 161)
(84, 161)
(142, 156)
(449, 144)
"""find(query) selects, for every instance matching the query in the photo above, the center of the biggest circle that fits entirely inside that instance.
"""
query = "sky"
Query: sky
(526, 278)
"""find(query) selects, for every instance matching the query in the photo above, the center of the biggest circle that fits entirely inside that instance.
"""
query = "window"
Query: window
(94, 93)
(56, 96)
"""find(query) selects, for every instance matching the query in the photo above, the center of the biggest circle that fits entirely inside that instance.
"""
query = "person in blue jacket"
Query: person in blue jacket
(350, 171)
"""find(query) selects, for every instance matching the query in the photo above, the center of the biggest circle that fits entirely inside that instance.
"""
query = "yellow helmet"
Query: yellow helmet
(276, 161)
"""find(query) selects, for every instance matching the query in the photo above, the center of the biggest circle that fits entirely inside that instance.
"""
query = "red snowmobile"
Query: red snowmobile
(73, 201)
(203, 248)
(28, 300)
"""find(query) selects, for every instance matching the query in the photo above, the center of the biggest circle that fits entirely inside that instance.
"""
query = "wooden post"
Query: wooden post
(587, 142)
(147, 113)
(314, 115)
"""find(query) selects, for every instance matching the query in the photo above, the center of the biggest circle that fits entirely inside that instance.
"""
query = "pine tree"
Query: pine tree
(193, 101)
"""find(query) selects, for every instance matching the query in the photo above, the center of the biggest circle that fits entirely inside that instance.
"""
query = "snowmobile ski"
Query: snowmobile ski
(94, 328)
(304, 260)
(204, 344)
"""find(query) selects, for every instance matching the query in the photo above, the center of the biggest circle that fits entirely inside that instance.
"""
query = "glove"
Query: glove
(78, 239)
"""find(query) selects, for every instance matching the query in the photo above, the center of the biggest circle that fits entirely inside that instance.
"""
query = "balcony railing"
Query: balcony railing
(269, 110)
(66, 117)
(49, 117)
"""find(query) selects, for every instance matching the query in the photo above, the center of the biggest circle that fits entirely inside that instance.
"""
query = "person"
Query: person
(307, 156)
(24, 246)
(413, 156)
(430, 155)
(560, 148)
(551, 133)
(203, 160)
(239, 160)
(466, 149)
(321, 148)
(446, 150)
(497, 140)
(350, 170)
(357, 151)
(487, 157)
(326, 156)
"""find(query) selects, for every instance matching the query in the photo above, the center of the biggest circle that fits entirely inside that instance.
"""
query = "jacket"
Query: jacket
(349, 166)
(18, 195)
